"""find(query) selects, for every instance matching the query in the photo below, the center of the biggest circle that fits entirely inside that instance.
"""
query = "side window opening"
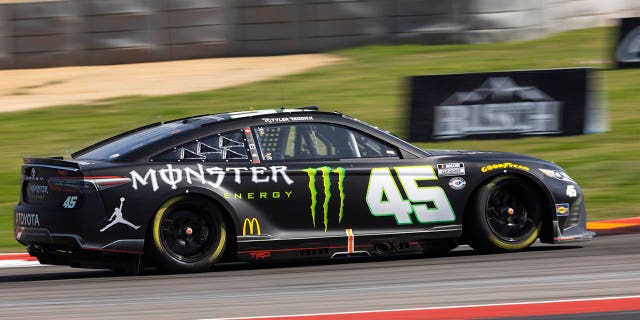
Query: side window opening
(228, 146)
(309, 141)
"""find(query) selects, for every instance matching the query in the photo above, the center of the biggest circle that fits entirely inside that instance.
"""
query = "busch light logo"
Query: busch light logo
(499, 105)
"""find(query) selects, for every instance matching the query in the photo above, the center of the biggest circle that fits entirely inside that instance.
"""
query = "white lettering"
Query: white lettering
(143, 181)
(171, 176)
(255, 171)
(282, 170)
(188, 172)
(27, 219)
(39, 189)
(219, 173)
(237, 173)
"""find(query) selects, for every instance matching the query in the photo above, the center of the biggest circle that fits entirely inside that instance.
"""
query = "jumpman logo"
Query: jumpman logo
(116, 218)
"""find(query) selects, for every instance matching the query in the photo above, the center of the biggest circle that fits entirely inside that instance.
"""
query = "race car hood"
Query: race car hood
(489, 156)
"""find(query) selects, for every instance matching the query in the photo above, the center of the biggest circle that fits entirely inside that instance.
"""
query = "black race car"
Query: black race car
(283, 184)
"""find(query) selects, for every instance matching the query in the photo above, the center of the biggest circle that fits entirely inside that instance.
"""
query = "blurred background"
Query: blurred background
(36, 34)
(76, 71)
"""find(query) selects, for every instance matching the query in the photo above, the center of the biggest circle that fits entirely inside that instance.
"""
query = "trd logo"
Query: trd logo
(251, 223)
(259, 255)
(325, 173)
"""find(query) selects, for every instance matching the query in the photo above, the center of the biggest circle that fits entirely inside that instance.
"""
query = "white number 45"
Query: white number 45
(70, 202)
(429, 204)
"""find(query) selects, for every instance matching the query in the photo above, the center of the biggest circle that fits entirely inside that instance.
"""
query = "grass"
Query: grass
(371, 85)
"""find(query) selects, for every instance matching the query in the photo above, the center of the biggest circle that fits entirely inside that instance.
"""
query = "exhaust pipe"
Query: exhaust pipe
(383, 247)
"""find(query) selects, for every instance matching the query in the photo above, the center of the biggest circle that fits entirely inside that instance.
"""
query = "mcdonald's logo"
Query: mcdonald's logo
(252, 223)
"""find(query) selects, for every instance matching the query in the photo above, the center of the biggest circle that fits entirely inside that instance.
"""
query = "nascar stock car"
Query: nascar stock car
(282, 184)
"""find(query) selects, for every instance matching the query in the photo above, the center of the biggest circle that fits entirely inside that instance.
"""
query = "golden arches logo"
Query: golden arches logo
(253, 222)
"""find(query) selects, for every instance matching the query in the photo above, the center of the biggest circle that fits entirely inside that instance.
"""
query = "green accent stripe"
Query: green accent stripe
(341, 174)
(311, 172)
(326, 181)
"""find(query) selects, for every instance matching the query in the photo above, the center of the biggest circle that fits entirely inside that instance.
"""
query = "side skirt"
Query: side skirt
(352, 244)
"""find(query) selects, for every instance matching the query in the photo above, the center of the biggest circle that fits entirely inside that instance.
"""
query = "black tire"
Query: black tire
(492, 227)
(187, 235)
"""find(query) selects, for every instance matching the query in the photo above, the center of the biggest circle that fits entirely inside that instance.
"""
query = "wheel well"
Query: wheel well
(546, 233)
(230, 252)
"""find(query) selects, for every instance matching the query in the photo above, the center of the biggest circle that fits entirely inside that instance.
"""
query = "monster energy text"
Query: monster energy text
(326, 183)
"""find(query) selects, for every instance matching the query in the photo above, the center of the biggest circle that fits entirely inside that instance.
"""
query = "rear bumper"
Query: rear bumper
(71, 250)
(41, 237)
(123, 262)
(68, 231)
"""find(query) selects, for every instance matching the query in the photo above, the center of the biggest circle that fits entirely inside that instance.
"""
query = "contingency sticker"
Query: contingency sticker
(450, 169)
(562, 209)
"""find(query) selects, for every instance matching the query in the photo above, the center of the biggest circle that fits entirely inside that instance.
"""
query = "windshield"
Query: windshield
(112, 150)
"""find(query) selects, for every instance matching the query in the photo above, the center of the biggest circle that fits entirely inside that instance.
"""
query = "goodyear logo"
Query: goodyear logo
(504, 165)
(325, 175)
(253, 226)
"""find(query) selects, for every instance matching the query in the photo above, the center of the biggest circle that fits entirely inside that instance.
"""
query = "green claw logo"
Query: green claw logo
(326, 183)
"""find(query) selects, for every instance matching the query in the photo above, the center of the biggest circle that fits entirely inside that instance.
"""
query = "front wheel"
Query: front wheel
(506, 216)
(189, 235)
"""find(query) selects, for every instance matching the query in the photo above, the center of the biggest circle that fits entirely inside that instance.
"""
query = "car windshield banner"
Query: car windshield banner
(504, 104)
(627, 52)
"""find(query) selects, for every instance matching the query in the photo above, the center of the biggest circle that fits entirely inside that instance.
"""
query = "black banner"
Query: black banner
(627, 52)
(499, 104)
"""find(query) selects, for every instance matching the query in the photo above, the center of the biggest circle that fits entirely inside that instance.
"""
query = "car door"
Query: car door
(346, 179)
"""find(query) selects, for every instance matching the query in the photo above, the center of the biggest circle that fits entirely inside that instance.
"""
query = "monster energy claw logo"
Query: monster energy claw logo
(326, 183)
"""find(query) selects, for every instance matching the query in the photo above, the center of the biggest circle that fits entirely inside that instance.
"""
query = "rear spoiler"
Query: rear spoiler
(52, 161)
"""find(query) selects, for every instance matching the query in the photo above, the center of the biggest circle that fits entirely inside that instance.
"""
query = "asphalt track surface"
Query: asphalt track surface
(608, 266)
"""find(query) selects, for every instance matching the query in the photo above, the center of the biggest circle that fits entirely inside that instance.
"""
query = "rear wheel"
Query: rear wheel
(189, 235)
(507, 216)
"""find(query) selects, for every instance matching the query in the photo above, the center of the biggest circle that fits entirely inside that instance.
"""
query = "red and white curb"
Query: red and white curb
(18, 260)
(518, 309)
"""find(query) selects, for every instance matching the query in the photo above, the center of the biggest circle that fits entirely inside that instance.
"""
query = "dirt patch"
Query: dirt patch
(36, 88)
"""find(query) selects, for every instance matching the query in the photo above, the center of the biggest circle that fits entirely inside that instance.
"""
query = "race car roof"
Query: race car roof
(218, 117)
(141, 136)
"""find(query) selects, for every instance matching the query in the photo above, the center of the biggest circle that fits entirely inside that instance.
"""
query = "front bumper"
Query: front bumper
(575, 226)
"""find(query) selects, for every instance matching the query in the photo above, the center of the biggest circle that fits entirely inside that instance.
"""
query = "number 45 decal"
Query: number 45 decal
(70, 202)
(429, 204)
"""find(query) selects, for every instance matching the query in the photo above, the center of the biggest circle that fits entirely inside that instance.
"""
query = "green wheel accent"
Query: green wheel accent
(223, 239)
(158, 219)
(189, 235)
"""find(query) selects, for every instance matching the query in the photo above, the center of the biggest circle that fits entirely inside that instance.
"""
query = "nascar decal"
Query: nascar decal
(325, 173)
(504, 165)
(173, 176)
(450, 169)
(429, 204)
